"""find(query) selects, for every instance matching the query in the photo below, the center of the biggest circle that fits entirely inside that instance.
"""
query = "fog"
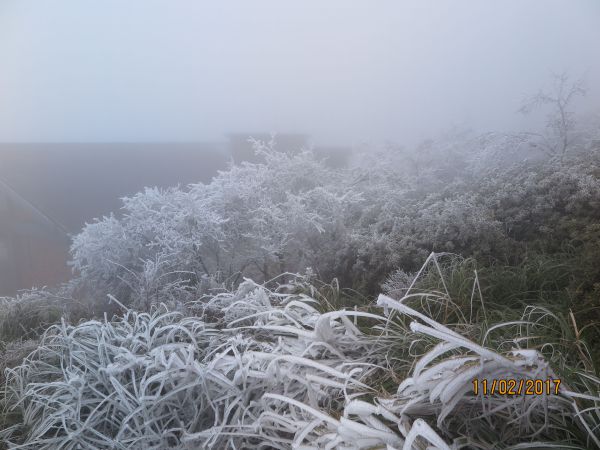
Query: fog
(342, 72)
(177, 272)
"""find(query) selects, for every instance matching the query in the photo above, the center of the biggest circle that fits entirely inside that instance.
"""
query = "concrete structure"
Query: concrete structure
(33, 247)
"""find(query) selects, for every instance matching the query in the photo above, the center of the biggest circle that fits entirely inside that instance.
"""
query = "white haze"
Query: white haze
(342, 71)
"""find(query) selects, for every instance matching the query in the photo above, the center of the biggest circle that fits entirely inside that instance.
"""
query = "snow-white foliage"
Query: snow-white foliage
(256, 220)
(160, 380)
(473, 195)
(441, 386)
(260, 368)
(398, 283)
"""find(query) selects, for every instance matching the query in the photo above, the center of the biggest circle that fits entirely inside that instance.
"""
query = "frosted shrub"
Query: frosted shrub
(253, 220)
(489, 196)
(397, 283)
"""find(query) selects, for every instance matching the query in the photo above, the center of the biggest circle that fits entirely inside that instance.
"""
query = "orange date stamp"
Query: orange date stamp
(512, 386)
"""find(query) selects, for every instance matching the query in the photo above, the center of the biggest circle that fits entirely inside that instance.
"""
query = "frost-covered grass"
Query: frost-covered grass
(162, 380)
(272, 367)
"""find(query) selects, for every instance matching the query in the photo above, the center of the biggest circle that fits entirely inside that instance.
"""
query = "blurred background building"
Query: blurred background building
(33, 247)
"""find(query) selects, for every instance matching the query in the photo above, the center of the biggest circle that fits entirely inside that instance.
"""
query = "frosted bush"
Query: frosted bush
(253, 220)
(397, 283)
(489, 196)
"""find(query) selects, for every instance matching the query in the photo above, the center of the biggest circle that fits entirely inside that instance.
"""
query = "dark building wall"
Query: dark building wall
(76, 183)
(33, 249)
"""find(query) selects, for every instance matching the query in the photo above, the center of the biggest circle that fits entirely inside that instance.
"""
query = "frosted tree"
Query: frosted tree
(255, 220)
(560, 124)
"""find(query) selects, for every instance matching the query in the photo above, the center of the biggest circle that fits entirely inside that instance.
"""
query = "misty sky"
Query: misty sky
(342, 71)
